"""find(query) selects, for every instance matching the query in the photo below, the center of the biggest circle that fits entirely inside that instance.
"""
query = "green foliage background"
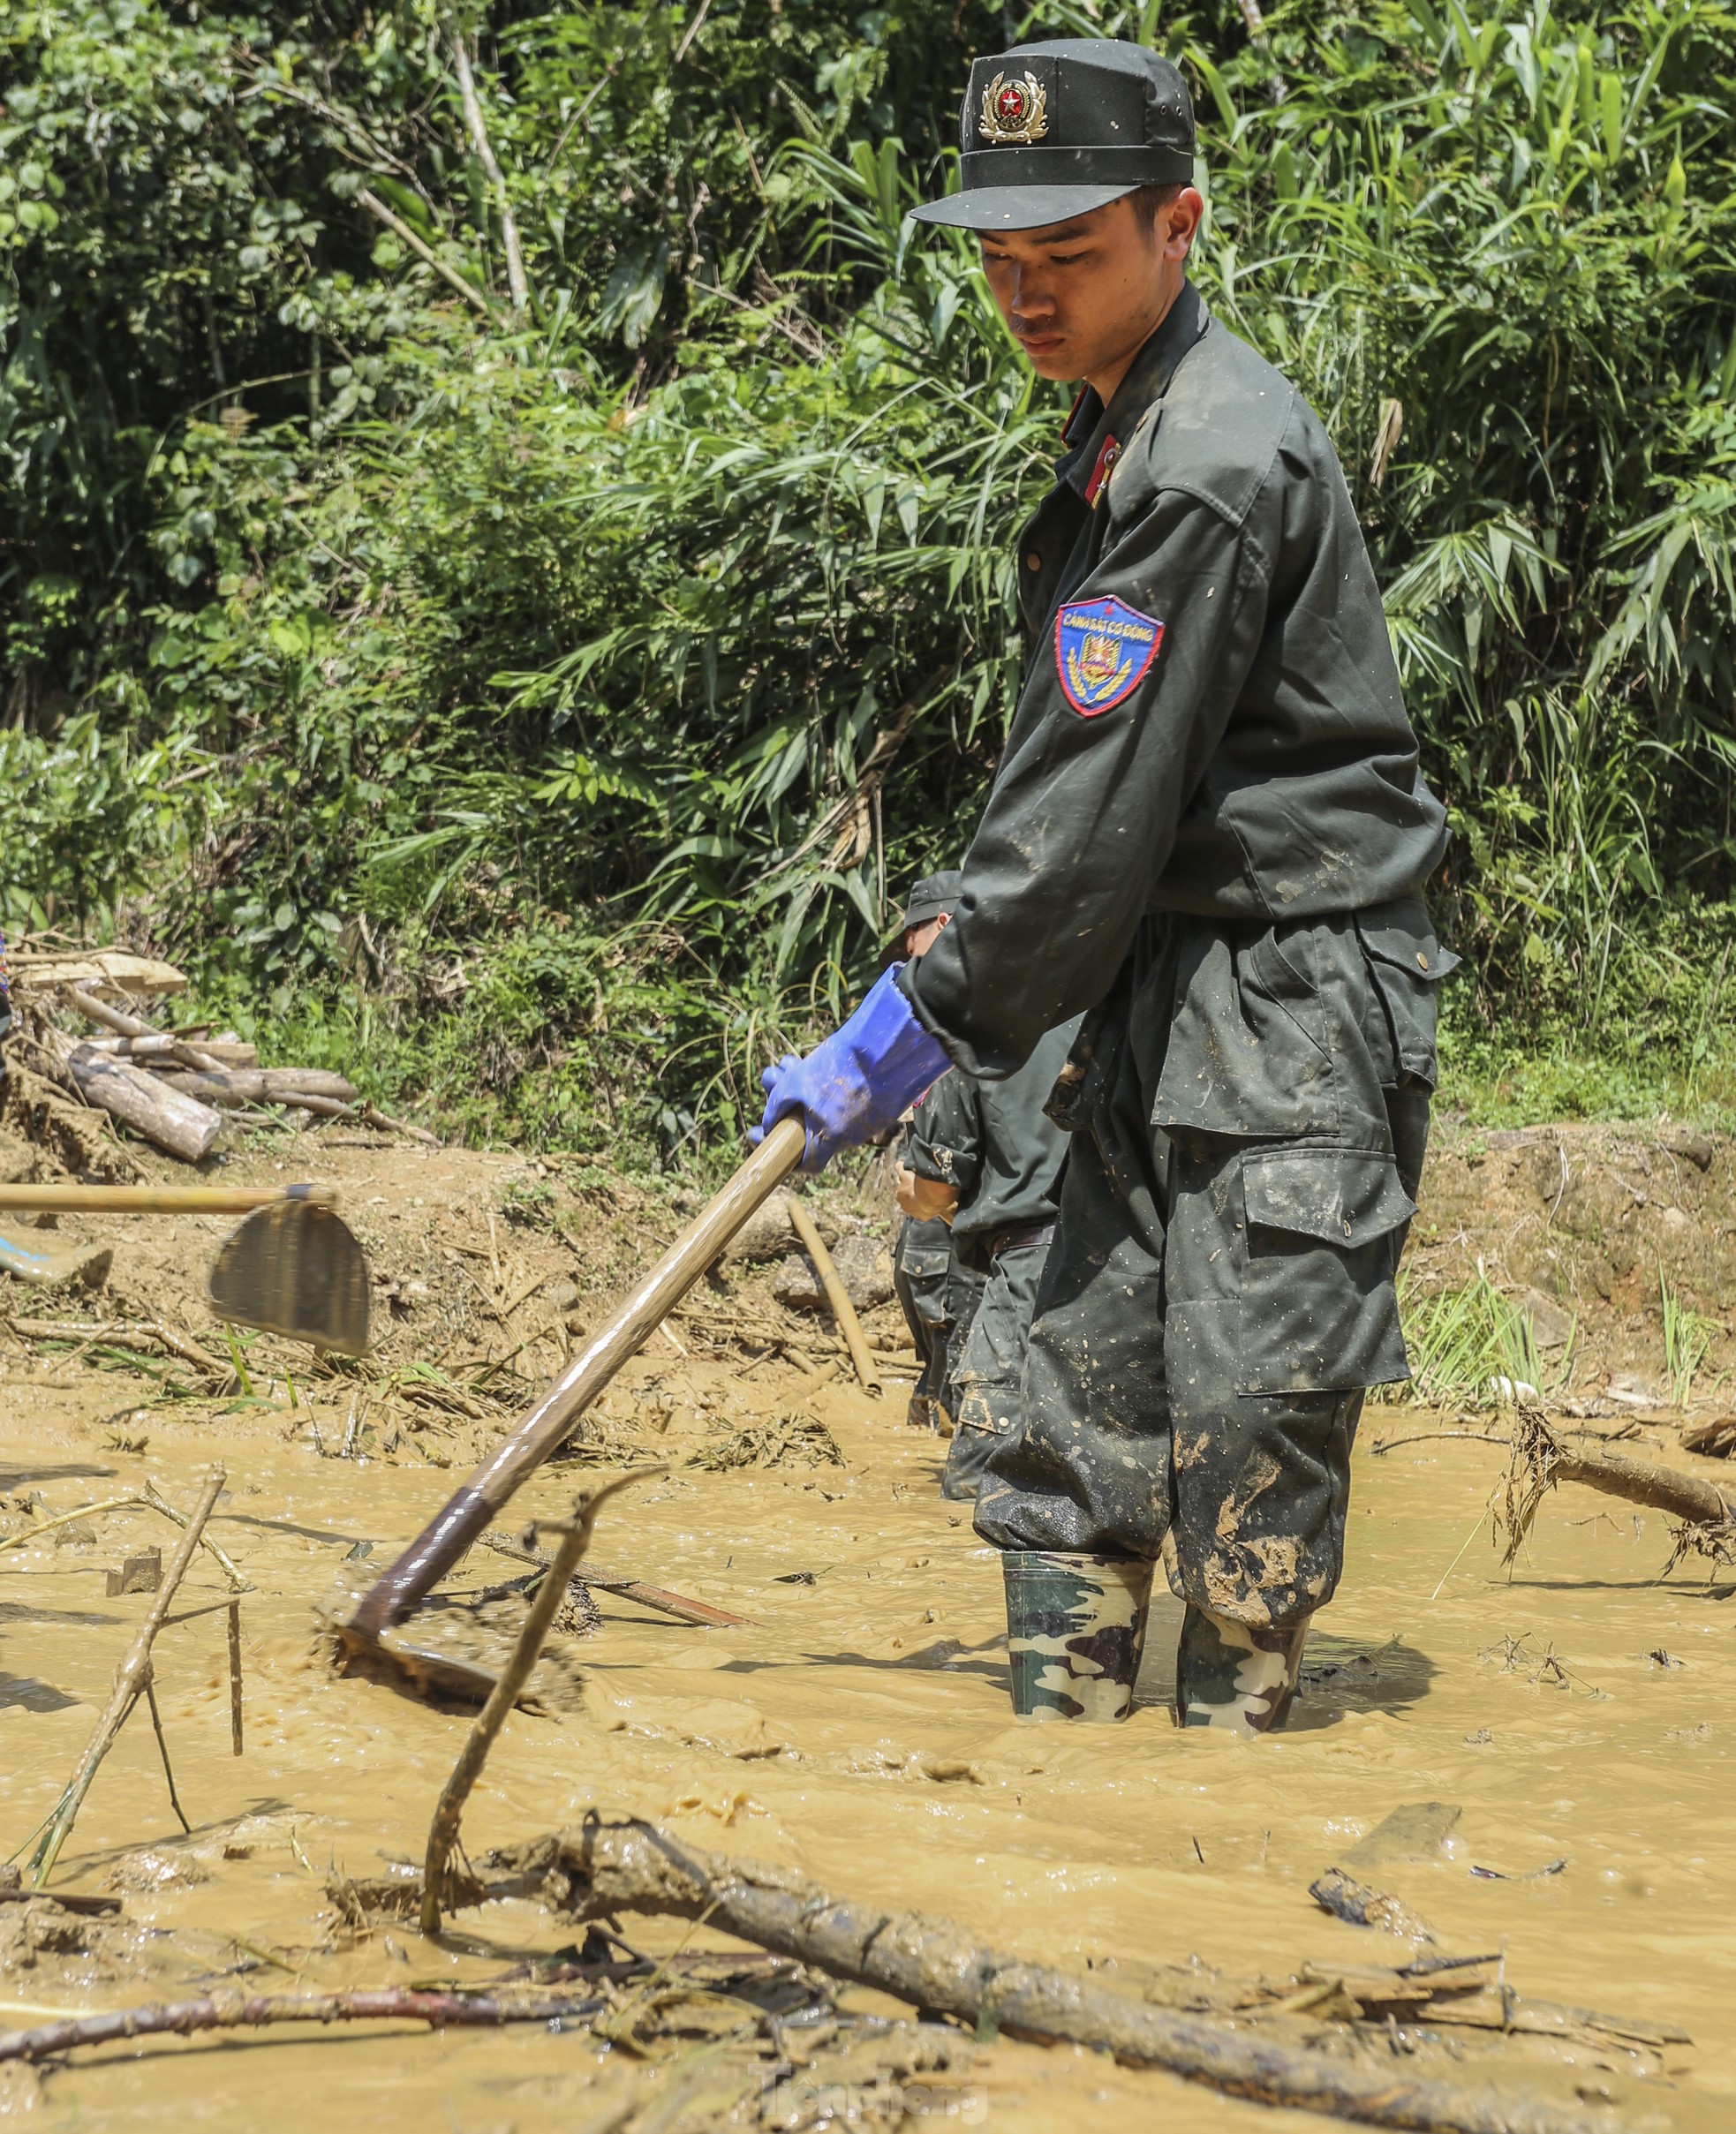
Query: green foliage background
(542, 708)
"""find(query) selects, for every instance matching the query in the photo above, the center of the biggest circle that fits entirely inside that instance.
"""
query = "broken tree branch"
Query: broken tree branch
(130, 1684)
(599, 1869)
(1540, 1460)
(443, 1831)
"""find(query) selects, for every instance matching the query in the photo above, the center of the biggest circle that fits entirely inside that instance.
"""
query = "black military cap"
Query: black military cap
(935, 896)
(1051, 131)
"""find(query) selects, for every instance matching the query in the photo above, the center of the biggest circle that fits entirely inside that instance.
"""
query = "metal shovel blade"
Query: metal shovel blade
(295, 1269)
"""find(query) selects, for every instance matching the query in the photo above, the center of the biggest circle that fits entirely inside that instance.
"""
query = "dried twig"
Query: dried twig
(443, 1831)
(131, 1683)
(124, 1331)
(658, 1598)
(238, 2011)
(1540, 1460)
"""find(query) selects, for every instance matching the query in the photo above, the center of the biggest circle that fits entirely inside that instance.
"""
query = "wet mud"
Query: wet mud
(1580, 1716)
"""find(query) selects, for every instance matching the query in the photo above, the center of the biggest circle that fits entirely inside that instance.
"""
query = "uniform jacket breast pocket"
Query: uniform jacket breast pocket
(1320, 1311)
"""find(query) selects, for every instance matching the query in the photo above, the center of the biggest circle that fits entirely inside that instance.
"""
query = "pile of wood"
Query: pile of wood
(79, 1025)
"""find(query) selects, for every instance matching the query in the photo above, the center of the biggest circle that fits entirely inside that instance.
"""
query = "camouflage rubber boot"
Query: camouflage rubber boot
(1075, 1630)
(1232, 1675)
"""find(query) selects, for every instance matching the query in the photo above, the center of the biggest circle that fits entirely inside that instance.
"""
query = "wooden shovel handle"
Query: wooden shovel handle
(440, 1545)
(836, 1295)
(156, 1200)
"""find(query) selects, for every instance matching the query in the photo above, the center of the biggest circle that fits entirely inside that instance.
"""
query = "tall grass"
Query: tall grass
(1472, 1347)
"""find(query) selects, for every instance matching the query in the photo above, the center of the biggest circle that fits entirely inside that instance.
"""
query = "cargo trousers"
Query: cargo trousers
(1249, 1113)
(940, 1295)
(989, 1373)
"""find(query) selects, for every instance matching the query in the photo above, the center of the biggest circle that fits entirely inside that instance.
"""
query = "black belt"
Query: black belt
(1017, 1236)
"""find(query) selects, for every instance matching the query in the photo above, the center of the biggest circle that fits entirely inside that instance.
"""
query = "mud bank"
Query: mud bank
(1582, 1714)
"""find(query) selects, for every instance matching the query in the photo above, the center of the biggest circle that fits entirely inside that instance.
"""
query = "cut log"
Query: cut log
(258, 1085)
(170, 1118)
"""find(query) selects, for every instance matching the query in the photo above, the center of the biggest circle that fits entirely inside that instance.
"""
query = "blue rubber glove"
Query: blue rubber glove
(860, 1081)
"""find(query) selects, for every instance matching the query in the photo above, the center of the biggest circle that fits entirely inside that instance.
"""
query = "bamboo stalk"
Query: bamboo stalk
(836, 1295)
(157, 1200)
(402, 230)
(443, 1830)
(485, 154)
(130, 1683)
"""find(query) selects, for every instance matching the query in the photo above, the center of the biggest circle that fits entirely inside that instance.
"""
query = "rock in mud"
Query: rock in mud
(769, 1233)
(865, 1267)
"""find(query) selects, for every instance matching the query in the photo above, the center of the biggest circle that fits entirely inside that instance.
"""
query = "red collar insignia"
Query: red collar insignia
(1104, 469)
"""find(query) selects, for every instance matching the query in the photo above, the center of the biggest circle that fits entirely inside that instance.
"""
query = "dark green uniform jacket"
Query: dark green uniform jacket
(1260, 767)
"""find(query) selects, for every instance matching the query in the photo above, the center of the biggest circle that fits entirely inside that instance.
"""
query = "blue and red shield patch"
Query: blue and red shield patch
(1104, 649)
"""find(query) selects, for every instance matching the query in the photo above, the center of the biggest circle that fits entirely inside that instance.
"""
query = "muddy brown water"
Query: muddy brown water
(1583, 1712)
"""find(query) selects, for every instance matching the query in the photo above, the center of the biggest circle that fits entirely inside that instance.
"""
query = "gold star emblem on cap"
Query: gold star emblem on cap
(1015, 113)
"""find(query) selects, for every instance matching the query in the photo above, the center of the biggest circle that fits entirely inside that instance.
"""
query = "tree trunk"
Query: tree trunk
(172, 1119)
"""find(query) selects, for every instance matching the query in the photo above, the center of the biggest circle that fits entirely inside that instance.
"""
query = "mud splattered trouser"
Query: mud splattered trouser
(1249, 1112)
(989, 1376)
(939, 1296)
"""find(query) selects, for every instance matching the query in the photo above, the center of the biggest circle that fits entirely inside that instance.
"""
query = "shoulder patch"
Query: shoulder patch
(1103, 652)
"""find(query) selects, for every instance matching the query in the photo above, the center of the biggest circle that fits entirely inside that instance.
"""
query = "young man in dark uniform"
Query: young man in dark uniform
(1209, 832)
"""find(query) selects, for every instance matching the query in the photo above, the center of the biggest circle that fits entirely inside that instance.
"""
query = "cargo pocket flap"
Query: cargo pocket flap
(1344, 1196)
(1407, 946)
